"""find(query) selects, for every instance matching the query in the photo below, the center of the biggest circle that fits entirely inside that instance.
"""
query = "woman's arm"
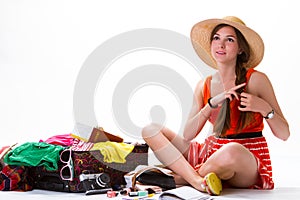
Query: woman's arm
(200, 112)
(198, 115)
(261, 98)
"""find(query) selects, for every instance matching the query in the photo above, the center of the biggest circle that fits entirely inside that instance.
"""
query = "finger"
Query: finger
(245, 107)
(243, 99)
(233, 93)
(243, 104)
(242, 108)
(228, 96)
(238, 86)
(245, 95)
(236, 95)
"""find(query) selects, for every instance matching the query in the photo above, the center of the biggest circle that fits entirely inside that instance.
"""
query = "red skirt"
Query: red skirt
(199, 153)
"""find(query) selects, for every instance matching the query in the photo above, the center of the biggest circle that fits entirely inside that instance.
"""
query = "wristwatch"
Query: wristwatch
(270, 115)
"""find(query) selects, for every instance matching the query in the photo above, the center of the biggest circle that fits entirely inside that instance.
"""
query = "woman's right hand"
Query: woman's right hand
(228, 94)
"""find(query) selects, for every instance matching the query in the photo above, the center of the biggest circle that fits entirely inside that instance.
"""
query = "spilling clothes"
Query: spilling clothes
(35, 154)
(16, 162)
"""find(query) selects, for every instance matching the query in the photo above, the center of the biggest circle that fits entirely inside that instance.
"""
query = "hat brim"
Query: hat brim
(200, 36)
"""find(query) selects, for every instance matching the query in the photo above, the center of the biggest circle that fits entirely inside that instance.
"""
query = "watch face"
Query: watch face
(270, 115)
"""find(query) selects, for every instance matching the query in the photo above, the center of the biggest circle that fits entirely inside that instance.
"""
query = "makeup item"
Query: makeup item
(111, 194)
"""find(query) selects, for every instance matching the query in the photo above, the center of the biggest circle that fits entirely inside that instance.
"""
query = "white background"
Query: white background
(43, 45)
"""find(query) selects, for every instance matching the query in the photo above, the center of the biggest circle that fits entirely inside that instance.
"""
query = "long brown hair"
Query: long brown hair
(222, 123)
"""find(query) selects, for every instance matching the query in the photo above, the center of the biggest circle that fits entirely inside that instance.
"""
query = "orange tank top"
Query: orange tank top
(256, 124)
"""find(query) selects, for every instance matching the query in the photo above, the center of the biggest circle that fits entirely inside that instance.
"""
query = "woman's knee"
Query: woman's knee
(242, 162)
(233, 152)
(151, 130)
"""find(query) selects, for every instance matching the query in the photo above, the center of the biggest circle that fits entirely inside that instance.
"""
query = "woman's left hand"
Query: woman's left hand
(253, 103)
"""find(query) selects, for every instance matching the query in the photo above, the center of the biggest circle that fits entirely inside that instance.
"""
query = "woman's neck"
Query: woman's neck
(227, 73)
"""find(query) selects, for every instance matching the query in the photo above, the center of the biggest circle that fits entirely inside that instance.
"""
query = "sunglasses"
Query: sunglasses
(67, 172)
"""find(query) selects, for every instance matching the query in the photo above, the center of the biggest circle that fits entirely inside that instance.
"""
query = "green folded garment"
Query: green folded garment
(35, 154)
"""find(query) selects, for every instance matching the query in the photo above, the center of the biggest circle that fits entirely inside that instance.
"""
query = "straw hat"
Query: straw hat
(200, 36)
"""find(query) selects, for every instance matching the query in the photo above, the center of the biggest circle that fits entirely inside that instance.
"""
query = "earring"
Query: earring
(240, 52)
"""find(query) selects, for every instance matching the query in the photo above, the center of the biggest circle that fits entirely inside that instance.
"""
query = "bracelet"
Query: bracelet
(210, 105)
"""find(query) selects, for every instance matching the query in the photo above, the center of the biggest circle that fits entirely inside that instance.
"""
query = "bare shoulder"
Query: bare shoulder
(259, 82)
(258, 77)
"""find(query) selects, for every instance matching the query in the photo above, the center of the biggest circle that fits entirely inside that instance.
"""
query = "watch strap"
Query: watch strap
(270, 115)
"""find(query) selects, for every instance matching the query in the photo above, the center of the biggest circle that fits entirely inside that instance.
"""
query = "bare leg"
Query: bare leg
(171, 150)
(232, 162)
(179, 180)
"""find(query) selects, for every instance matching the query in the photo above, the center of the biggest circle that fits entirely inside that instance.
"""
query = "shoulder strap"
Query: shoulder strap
(248, 74)
(206, 89)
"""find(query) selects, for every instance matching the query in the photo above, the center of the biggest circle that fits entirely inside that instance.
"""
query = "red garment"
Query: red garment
(257, 122)
(199, 153)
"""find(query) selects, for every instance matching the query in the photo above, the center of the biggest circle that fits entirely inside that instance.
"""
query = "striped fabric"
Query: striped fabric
(199, 153)
(79, 145)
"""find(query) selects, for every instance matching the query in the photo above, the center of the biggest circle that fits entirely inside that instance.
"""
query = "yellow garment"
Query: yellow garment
(78, 137)
(113, 151)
